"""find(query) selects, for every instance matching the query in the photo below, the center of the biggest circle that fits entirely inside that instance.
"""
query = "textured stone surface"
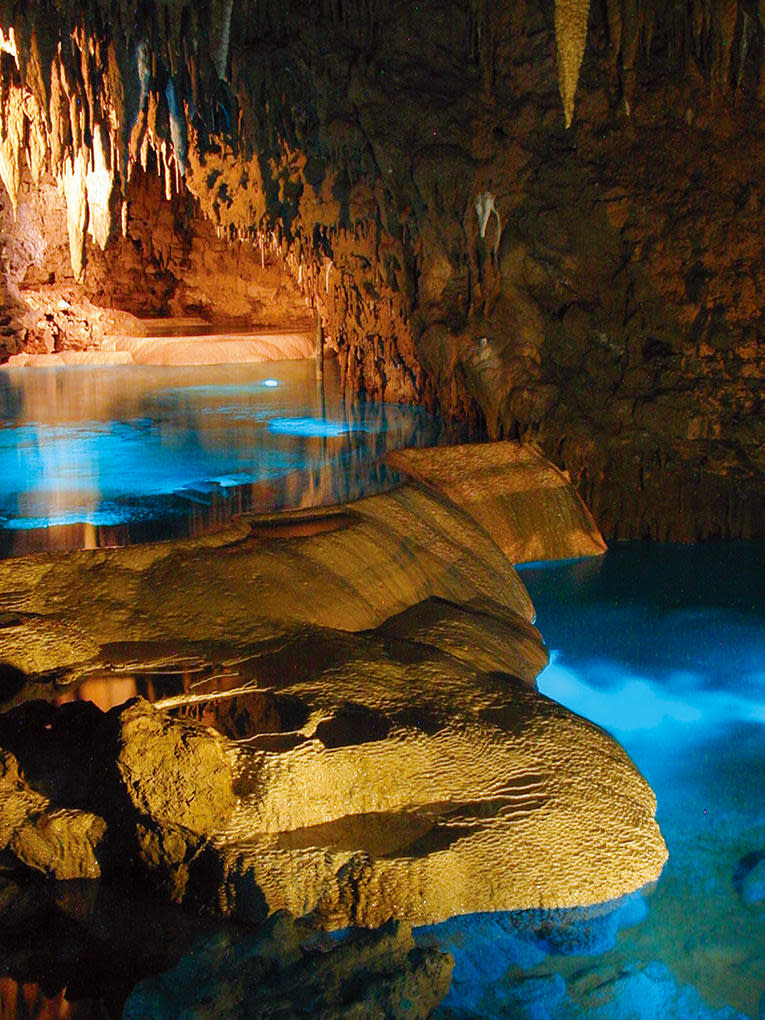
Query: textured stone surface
(393, 758)
(419, 788)
(58, 842)
(387, 553)
(529, 508)
(172, 772)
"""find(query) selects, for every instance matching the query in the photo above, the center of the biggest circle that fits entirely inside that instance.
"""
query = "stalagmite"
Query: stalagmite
(72, 181)
(570, 36)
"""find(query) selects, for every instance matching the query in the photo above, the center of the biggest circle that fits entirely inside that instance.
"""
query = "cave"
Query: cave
(382, 464)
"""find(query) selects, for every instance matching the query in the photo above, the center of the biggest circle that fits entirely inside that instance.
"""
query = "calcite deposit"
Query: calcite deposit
(532, 514)
(353, 732)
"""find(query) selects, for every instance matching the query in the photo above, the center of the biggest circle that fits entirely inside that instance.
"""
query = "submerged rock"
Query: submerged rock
(753, 884)
(285, 971)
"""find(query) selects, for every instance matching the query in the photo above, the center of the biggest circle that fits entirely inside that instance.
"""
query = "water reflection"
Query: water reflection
(665, 648)
(106, 456)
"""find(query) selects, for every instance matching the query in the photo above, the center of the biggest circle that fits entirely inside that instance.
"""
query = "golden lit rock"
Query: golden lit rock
(420, 788)
(530, 509)
(570, 38)
(372, 668)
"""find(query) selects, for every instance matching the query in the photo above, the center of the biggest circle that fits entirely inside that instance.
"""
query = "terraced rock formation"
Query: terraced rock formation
(352, 732)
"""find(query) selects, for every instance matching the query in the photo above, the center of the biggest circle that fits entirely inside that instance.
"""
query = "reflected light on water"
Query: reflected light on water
(112, 455)
(664, 647)
(628, 703)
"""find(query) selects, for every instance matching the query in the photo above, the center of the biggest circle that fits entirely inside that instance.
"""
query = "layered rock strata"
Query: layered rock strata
(357, 736)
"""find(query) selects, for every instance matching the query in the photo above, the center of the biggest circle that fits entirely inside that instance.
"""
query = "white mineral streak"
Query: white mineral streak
(99, 181)
(72, 182)
(8, 44)
(224, 35)
(486, 205)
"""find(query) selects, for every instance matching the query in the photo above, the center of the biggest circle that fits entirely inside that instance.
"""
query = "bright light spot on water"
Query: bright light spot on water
(117, 446)
(313, 427)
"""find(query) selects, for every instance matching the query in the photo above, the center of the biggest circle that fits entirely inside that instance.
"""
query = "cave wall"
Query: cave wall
(593, 288)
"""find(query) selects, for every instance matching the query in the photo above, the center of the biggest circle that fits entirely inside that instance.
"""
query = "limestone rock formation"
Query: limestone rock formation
(234, 588)
(172, 772)
(533, 513)
(63, 843)
(382, 806)
(372, 666)
(570, 37)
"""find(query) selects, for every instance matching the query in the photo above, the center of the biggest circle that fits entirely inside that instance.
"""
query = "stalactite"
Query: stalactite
(99, 184)
(73, 184)
(11, 143)
(222, 27)
(726, 17)
(570, 35)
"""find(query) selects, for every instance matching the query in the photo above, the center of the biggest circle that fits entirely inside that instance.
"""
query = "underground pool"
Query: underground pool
(93, 456)
(663, 646)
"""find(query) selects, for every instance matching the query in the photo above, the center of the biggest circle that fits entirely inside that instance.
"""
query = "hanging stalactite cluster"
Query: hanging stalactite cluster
(90, 90)
(724, 38)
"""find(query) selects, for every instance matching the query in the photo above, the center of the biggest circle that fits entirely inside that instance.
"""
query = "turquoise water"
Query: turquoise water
(664, 646)
(109, 455)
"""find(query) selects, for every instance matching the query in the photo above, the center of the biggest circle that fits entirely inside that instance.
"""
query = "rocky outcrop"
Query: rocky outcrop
(372, 667)
(533, 514)
(40, 835)
(104, 794)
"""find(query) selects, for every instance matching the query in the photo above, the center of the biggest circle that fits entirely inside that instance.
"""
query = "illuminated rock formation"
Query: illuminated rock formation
(373, 671)
(533, 514)
(570, 37)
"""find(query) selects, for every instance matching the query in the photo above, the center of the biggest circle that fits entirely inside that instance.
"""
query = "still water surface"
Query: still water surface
(664, 646)
(109, 455)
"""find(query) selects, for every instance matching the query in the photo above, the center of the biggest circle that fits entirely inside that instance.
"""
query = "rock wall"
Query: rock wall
(592, 287)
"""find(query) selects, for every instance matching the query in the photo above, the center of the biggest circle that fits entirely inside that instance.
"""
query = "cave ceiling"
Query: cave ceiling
(542, 216)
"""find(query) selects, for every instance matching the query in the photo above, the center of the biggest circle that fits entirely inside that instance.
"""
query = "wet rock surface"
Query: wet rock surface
(562, 526)
(355, 733)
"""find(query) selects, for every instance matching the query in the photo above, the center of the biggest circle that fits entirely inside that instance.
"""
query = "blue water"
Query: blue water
(664, 646)
(108, 455)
